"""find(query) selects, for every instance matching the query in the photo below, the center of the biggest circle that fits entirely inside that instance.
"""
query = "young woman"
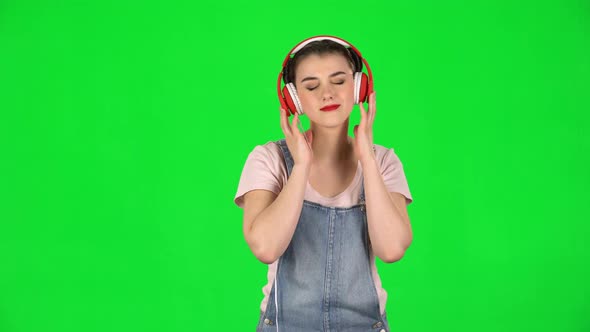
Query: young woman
(319, 206)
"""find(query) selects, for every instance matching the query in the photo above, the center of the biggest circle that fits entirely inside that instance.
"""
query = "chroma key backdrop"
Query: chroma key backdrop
(125, 125)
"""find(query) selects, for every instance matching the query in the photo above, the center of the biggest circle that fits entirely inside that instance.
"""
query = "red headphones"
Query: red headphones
(363, 85)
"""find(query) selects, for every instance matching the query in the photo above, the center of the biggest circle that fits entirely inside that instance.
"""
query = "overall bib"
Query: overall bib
(323, 280)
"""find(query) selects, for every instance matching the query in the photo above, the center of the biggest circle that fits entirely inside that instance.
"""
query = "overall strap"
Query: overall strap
(287, 155)
(362, 195)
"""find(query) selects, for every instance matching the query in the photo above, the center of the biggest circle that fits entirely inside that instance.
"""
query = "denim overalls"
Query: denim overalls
(323, 281)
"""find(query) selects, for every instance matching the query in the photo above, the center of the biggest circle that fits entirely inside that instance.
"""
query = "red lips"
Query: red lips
(329, 107)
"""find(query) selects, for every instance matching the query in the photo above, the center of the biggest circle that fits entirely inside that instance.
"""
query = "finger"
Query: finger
(294, 129)
(285, 123)
(363, 115)
(309, 135)
(355, 130)
(372, 109)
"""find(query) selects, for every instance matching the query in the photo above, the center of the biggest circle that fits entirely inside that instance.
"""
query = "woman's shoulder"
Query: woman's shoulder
(268, 157)
(263, 169)
(384, 154)
(269, 150)
(392, 171)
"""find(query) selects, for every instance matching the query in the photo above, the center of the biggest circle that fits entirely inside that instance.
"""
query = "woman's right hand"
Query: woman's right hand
(300, 150)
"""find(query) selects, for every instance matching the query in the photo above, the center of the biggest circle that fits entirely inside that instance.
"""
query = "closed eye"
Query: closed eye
(311, 89)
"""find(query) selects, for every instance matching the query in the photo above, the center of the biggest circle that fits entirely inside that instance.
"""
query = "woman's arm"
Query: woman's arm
(271, 220)
(389, 226)
(387, 217)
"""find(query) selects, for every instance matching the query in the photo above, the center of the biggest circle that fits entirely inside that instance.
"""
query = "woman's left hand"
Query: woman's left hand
(363, 132)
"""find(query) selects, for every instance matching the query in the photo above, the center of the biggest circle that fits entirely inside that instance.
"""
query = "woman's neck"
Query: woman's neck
(331, 145)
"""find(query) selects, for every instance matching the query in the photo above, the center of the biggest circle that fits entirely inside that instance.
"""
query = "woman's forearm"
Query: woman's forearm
(273, 228)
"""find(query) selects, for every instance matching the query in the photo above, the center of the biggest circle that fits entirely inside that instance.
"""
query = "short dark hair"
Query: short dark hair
(320, 47)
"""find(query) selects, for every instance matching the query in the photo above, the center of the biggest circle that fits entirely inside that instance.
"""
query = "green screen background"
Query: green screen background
(125, 126)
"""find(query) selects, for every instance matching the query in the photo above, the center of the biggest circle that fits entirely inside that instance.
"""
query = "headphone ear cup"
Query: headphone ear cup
(289, 101)
(357, 87)
(292, 99)
(363, 87)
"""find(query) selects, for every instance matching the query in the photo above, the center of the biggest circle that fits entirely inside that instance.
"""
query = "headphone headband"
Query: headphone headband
(303, 43)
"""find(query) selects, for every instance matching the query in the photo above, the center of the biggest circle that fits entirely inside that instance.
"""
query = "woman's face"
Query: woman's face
(325, 80)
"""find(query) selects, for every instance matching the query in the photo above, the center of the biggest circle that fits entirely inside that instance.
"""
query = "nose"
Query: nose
(327, 92)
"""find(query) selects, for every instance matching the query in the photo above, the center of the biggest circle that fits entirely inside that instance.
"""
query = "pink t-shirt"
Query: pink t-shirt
(265, 169)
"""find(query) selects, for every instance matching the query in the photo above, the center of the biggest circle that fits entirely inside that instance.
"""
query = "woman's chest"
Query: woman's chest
(332, 181)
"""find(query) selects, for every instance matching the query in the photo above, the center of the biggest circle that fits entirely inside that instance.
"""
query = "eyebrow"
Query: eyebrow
(315, 78)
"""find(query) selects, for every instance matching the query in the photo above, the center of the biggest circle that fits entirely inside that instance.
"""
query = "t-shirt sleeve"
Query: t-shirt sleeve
(263, 170)
(394, 176)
